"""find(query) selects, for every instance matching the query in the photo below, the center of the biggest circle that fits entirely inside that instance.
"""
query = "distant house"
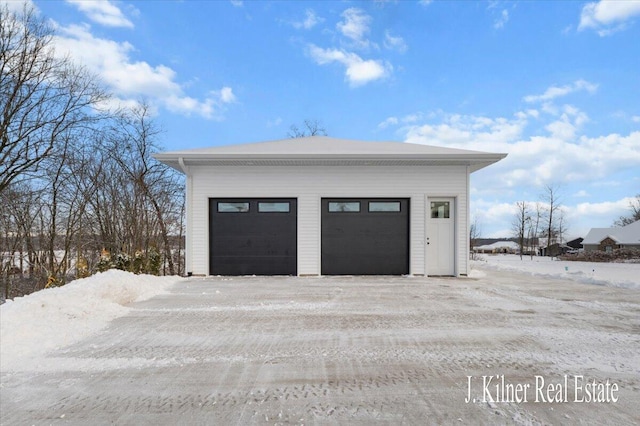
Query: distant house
(609, 239)
(498, 247)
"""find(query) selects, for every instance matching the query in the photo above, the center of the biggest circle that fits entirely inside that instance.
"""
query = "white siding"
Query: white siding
(308, 234)
(189, 219)
(311, 183)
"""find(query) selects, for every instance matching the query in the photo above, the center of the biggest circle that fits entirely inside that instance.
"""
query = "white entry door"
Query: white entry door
(440, 237)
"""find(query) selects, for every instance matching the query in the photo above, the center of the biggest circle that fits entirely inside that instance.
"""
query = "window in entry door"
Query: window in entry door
(440, 210)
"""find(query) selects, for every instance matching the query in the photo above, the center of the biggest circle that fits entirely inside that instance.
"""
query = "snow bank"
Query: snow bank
(626, 275)
(32, 325)
(475, 273)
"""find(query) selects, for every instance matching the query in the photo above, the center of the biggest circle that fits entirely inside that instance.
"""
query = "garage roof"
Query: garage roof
(323, 150)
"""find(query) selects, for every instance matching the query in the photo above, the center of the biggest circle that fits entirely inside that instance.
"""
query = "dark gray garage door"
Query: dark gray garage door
(253, 236)
(363, 236)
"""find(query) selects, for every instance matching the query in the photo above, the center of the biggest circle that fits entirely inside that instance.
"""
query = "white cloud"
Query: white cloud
(607, 184)
(608, 16)
(495, 213)
(606, 209)
(274, 123)
(355, 26)
(425, 2)
(501, 20)
(558, 91)
(456, 129)
(358, 71)
(237, 3)
(18, 5)
(569, 122)
(226, 95)
(394, 43)
(391, 121)
(412, 118)
(103, 12)
(561, 155)
(310, 21)
(115, 103)
(130, 79)
(407, 119)
(636, 118)
(493, 209)
(209, 108)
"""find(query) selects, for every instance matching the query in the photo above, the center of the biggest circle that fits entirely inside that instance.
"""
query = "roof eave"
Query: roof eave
(475, 161)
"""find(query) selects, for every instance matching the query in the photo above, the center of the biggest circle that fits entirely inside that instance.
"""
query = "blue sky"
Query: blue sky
(554, 84)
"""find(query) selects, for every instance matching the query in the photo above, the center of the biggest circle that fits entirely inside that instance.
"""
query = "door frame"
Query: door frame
(455, 216)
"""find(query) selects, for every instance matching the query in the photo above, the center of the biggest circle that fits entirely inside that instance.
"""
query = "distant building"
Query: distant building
(609, 239)
(499, 247)
(555, 249)
(576, 244)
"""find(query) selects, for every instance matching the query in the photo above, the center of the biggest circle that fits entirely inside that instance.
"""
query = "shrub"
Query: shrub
(142, 262)
(618, 255)
(154, 261)
(104, 264)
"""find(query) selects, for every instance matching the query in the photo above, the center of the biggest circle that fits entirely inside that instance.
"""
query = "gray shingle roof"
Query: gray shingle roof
(629, 234)
(328, 151)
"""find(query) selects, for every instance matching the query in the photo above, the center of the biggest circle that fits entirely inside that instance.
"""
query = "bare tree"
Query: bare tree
(74, 180)
(98, 189)
(533, 232)
(133, 142)
(43, 96)
(475, 230)
(309, 128)
(551, 198)
(562, 226)
(11, 259)
(521, 222)
(65, 196)
(634, 206)
(21, 208)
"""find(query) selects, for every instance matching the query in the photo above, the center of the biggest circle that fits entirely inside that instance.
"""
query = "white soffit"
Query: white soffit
(326, 151)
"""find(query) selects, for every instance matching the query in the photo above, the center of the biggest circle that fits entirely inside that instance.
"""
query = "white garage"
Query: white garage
(327, 206)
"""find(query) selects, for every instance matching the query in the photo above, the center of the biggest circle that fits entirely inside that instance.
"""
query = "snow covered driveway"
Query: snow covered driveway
(344, 350)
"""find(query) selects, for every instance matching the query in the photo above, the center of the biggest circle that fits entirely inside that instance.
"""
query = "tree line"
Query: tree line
(546, 219)
(79, 190)
(537, 227)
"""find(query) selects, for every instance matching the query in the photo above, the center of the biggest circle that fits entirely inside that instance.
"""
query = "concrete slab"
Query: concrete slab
(343, 350)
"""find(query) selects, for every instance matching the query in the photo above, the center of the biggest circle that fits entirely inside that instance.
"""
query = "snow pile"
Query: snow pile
(626, 275)
(32, 325)
(476, 273)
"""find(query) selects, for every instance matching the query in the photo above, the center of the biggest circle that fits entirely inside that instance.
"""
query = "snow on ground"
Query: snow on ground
(33, 325)
(52, 318)
(338, 350)
(626, 275)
